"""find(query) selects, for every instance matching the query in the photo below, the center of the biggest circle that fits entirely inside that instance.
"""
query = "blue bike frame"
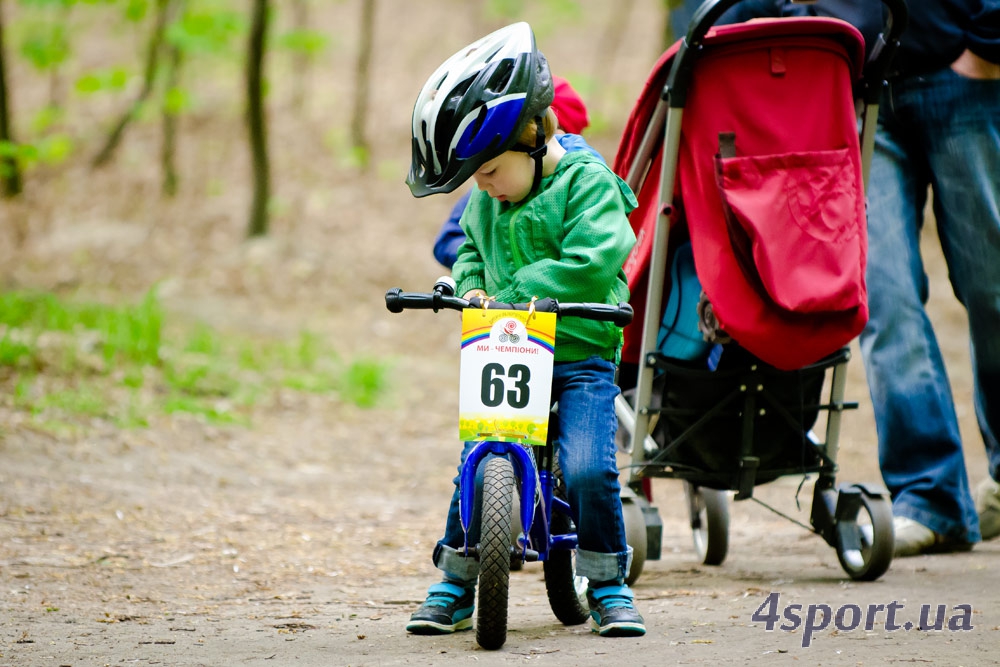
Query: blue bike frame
(538, 536)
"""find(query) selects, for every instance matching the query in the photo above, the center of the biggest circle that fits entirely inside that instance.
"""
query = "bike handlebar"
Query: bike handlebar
(396, 300)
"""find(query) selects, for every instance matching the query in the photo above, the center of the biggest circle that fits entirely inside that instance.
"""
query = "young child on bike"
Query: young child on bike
(542, 223)
(571, 113)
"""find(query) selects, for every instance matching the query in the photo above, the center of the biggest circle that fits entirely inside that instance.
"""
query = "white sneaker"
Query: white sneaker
(988, 506)
(914, 538)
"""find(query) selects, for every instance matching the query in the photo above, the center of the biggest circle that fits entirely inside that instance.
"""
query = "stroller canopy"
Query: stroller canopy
(769, 186)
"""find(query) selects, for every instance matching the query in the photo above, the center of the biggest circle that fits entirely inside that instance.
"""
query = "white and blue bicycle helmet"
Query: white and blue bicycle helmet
(475, 107)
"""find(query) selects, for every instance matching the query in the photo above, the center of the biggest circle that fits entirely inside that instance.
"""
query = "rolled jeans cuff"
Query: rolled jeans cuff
(598, 566)
(455, 565)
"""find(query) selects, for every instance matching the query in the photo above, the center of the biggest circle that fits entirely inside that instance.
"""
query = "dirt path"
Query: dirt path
(305, 541)
(206, 547)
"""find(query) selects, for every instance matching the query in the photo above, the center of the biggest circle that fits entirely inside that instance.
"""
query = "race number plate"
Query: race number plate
(506, 375)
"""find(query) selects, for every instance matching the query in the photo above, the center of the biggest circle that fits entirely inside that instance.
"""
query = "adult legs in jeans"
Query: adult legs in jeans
(941, 131)
(585, 391)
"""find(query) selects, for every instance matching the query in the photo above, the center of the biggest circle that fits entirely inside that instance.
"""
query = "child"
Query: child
(572, 116)
(545, 223)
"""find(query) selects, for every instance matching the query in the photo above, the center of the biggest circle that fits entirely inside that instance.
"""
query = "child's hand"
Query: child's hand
(474, 292)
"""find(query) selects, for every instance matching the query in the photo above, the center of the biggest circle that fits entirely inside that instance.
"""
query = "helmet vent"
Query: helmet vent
(500, 78)
(493, 53)
(478, 123)
(437, 86)
(459, 91)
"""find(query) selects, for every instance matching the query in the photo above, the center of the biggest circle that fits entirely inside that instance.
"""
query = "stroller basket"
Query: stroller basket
(741, 425)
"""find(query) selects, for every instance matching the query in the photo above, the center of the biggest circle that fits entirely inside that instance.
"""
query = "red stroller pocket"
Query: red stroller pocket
(795, 223)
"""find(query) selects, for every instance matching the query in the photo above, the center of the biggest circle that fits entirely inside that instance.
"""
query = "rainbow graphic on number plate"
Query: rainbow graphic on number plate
(542, 337)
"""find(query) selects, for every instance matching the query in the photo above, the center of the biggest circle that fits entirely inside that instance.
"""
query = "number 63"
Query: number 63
(494, 389)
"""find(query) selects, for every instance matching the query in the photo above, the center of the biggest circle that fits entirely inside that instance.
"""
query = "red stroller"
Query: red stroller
(745, 142)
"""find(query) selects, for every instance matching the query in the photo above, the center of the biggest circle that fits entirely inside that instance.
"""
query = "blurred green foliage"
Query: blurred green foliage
(68, 361)
(207, 27)
(45, 44)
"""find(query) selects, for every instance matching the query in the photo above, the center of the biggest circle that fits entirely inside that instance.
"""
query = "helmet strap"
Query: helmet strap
(536, 153)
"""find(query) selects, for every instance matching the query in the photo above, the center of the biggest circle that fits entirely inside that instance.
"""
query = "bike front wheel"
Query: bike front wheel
(495, 553)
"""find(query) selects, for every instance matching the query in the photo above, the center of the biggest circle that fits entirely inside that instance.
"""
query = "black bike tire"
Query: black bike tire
(494, 554)
(567, 595)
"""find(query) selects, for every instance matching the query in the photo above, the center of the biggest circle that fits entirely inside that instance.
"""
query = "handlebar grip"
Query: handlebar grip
(619, 315)
(393, 301)
(623, 314)
(396, 300)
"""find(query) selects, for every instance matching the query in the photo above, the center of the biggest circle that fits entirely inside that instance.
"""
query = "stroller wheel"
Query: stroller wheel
(709, 513)
(865, 540)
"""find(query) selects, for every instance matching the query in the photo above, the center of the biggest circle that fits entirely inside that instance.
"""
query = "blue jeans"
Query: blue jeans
(585, 445)
(939, 130)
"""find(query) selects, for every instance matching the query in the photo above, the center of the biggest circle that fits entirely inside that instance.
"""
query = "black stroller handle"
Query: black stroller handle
(396, 300)
(875, 71)
(884, 50)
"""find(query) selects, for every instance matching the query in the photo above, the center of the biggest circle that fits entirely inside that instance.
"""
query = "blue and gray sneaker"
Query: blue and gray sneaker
(448, 608)
(612, 611)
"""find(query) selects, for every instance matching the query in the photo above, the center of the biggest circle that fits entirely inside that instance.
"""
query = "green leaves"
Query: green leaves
(45, 44)
(136, 10)
(176, 101)
(207, 28)
(113, 79)
(306, 42)
(49, 150)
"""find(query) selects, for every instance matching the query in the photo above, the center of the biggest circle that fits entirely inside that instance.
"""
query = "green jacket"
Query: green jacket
(568, 241)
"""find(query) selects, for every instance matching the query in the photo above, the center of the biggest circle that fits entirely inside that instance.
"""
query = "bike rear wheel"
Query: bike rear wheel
(567, 592)
(494, 554)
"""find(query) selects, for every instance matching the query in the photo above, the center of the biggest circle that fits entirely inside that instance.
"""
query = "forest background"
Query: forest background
(169, 153)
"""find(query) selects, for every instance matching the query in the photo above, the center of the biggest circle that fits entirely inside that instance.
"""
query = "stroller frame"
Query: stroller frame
(864, 552)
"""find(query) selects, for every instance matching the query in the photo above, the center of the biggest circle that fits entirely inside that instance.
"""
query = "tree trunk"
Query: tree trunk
(169, 148)
(362, 76)
(256, 121)
(10, 171)
(149, 77)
